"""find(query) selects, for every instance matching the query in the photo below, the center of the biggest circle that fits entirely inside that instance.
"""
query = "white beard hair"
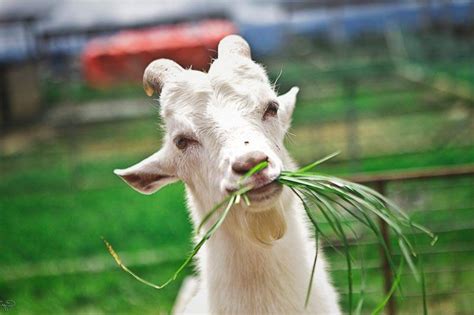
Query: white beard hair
(263, 227)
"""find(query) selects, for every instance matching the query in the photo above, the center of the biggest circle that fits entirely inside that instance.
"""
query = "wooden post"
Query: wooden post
(385, 264)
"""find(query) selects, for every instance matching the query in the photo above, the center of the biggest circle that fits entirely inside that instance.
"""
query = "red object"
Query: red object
(124, 56)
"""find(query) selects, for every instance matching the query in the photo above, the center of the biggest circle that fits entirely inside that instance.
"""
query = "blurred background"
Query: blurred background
(388, 83)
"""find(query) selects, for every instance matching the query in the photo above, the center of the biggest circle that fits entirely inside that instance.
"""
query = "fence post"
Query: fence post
(385, 264)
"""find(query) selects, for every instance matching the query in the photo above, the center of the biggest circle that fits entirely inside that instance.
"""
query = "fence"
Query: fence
(380, 182)
(57, 185)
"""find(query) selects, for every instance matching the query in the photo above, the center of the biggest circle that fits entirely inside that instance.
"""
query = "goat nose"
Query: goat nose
(245, 162)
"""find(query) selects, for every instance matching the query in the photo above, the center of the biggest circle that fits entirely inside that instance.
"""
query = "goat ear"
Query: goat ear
(287, 103)
(150, 174)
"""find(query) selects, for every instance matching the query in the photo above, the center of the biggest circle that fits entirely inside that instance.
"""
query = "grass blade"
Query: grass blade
(311, 278)
(186, 262)
(257, 168)
(394, 286)
(119, 262)
(333, 197)
(316, 163)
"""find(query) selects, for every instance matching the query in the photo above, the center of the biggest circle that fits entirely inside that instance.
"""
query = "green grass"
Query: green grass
(64, 222)
(92, 293)
(84, 216)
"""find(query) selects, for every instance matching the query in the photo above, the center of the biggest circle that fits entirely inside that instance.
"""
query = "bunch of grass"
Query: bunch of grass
(332, 197)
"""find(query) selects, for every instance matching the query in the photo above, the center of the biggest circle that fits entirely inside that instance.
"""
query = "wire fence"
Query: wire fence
(381, 183)
(399, 101)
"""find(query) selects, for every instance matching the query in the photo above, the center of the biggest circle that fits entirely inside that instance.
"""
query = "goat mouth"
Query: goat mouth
(265, 192)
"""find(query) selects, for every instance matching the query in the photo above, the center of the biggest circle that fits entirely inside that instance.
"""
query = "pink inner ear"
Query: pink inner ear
(143, 180)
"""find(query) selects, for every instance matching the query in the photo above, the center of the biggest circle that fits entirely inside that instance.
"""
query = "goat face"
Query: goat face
(218, 125)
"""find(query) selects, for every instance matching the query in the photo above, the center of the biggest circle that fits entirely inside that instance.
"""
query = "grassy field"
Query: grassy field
(59, 196)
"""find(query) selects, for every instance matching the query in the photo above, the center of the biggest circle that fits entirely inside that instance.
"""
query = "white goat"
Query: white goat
(219, 125)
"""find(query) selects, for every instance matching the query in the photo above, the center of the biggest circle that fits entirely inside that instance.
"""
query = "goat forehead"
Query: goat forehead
(232, 99)
(207, 118)
(186, 95)
(231, 90)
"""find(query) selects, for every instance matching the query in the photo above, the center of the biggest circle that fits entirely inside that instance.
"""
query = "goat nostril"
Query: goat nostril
(246, 142)
(245, 163)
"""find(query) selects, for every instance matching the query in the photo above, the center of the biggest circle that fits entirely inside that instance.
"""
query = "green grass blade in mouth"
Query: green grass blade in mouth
(423, 286)
(332, 197)
(230, 200)
(316, 163)
(186, 262)
(208, 235)
(240, 192)
(121, 265)
(210, 213)
(358, 309)
(313, 269)
(336, 225)
(395, 284)
(257, 168)
(311, 215)
(361, 203)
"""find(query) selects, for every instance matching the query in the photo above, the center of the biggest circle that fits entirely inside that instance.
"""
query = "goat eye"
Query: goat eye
(271, 111)
(183, 142)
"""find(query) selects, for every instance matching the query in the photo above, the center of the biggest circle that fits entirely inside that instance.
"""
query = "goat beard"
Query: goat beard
(263, 227)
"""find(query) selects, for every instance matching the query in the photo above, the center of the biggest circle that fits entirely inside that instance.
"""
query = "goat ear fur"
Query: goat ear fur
(287, 103)
(149, 175)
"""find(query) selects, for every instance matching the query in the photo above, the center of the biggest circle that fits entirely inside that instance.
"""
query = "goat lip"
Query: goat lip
(256, 185)
(263, 186)
(263, 192)
(266, 191)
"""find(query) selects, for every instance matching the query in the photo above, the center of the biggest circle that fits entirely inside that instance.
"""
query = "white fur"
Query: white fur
(259, 261)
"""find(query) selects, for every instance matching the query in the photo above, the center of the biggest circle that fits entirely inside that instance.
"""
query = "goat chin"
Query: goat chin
(263, 227)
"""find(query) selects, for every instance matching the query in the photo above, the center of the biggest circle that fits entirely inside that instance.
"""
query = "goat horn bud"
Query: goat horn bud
(157, 73)
(233, 45)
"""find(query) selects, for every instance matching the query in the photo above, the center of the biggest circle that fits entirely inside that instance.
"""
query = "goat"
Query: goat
(218, 125)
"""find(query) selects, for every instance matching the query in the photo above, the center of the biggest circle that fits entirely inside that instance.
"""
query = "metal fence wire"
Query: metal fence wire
(398, 104)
